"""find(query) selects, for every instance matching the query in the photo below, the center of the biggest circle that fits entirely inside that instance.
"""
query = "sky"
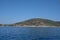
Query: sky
(12, 11)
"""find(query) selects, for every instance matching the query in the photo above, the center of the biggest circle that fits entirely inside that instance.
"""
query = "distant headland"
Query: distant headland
(35, 22)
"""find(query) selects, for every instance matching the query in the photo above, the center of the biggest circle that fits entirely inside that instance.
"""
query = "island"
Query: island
(35, 22)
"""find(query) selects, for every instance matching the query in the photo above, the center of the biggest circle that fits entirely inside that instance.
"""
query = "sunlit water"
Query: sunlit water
(29, 33)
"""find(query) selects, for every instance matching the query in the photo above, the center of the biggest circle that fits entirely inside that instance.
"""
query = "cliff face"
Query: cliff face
(37, 22)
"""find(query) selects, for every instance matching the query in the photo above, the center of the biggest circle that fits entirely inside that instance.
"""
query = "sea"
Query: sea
(29, 33)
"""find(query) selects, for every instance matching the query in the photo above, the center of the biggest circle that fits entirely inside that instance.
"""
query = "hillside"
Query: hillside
(37, 22)
(58, 22)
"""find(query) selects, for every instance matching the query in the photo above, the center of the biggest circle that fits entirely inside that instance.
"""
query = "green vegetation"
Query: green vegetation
(36, 22)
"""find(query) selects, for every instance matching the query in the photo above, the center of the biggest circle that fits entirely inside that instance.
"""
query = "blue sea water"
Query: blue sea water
(29, 33)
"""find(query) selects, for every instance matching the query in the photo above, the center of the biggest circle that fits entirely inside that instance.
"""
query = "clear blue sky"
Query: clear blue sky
(12, 11)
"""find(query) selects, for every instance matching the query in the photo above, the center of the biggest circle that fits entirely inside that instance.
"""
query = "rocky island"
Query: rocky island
(37, 22)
